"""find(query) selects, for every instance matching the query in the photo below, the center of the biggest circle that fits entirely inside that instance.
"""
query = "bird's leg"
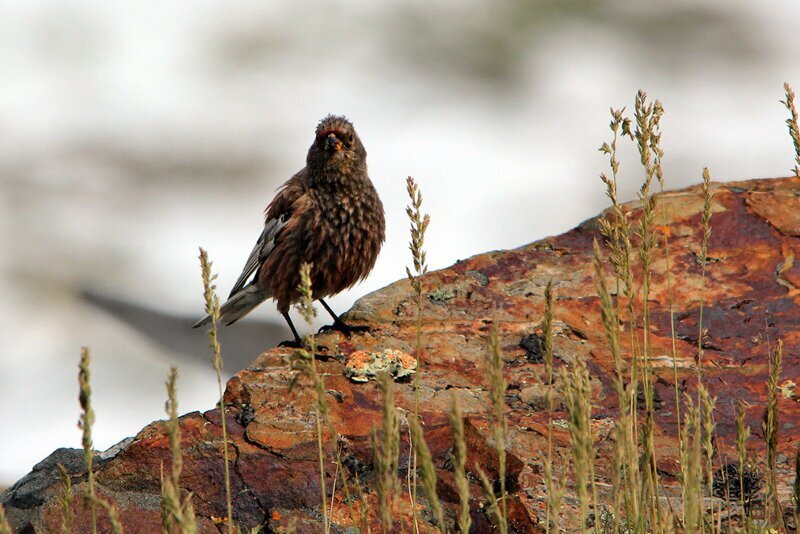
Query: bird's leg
(340, 325)
(330, 311)
(297, 343)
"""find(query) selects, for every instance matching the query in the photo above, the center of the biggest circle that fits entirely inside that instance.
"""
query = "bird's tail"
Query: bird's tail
(237, 306)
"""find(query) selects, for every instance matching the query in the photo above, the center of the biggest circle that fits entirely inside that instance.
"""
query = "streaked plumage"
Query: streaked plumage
(328, 214)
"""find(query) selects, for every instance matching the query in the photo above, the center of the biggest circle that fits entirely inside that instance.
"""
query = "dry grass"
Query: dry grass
(706, 221)
(85, 423)
(796, 487)
(555, 486)
(742, 433)
(770, 430)
(304, 361)
(427, 471)
(647, 135)
(459, 466)
(497, 393)
(176, 514)
(791, 123)
(386, 450)
(419, 225)
(65, 499)
(5, 528)
(625, 313)
(635, 492)
(707, 405)
(691, 468)
(578, 399)
(496, 505)
(212, 309)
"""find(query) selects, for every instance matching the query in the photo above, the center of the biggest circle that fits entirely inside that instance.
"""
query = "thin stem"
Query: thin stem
(85, 424)
(212, 309)
(792, 124)
(419, 224)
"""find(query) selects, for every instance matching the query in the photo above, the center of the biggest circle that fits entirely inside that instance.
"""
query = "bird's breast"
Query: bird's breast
(346, 240)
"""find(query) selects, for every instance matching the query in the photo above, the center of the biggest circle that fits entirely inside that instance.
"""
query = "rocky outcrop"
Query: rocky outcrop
(751, 296)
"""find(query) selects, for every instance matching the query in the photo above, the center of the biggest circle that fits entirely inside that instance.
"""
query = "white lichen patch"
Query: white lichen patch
(362, 365)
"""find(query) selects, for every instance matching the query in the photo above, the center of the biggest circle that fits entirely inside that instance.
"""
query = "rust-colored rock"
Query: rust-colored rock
(751, 299)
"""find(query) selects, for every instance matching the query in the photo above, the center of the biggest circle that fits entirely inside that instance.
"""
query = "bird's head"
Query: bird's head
(336, 144)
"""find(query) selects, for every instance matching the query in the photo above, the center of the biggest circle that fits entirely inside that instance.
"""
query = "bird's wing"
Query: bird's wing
(264, 245)
(278, 215)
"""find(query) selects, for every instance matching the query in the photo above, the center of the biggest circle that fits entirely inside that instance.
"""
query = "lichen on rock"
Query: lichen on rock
(362, 365)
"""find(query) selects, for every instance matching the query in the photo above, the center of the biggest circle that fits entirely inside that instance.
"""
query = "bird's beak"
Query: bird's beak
(332, 143)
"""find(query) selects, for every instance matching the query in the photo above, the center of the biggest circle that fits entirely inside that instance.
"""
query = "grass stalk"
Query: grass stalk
(386, 450)
(497, 392)
(554, 485)
(791, 123)
(85, 424)
(618, 478)
(175, 512)
(491, 496)
(306, 308)
(113, 514)
(706, 221)
(617, 232)
(658, 152)
(304, 360)
(428, 471)
(796, 487)
(5, 528)
(577, 397)
(742, 433)
(608, 315)
(770, 428)
(647, 135)
(707, 404)
(626, 453)
(212, 309)
(419, 225)
(65, 498)
(691, 468)
(333, 486)
(459, 466)
(703, 258)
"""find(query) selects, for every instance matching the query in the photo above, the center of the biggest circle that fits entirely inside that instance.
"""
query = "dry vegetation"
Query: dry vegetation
(635, 502)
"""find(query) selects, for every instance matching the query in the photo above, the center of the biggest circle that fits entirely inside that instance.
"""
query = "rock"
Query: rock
(751, 293)
(533, 345)
(535, 396)
(28, 492)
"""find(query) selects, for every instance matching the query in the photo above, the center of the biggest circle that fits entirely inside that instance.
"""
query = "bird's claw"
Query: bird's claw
(344, 328)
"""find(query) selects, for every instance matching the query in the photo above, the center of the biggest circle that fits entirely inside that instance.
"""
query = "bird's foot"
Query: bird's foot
(344, 328)
(291, 344)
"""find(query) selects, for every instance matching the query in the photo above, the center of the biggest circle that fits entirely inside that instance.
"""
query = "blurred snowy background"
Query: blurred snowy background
(131, 133)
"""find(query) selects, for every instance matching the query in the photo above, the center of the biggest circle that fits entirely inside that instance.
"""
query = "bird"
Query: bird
(328, 215)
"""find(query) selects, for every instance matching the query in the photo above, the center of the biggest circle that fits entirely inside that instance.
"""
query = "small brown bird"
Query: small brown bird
(328, 215)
